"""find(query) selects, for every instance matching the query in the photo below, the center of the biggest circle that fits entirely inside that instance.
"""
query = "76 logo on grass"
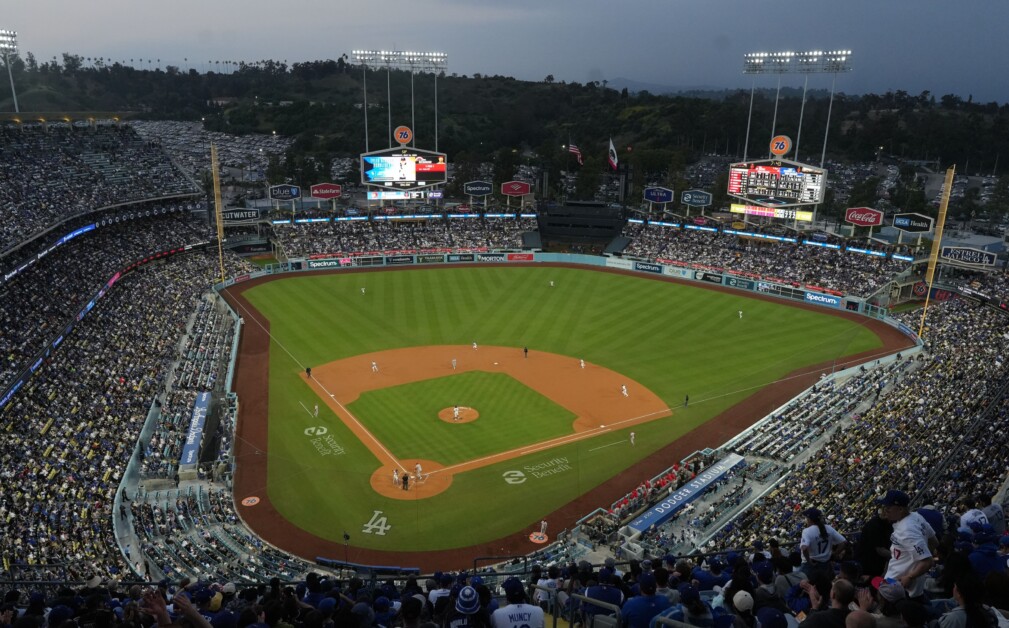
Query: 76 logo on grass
(378, 525)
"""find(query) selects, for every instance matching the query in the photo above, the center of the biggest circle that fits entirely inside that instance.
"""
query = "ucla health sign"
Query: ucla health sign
(664, 510)
(823, 299)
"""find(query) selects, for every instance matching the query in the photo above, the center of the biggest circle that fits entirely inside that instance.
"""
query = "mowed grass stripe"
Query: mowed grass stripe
(673, 338)
(405, 418)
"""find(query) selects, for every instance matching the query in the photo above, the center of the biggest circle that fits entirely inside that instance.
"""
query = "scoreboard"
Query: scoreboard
(777, 183)
(403, 168)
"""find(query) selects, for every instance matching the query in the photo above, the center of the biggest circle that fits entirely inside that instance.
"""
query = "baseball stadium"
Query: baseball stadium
(315, 409)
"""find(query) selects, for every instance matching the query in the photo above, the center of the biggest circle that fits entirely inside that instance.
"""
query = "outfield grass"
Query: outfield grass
(675, 339)
(511, 415)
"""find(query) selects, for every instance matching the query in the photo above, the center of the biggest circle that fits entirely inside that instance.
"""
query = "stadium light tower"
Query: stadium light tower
(764, 63)
(434, 62)
(8, 48)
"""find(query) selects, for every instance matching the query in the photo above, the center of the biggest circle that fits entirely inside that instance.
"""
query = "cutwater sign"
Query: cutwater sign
(285, 192)
(664, 510)
(823, 299)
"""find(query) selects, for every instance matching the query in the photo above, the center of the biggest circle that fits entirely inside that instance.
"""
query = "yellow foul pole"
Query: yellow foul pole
(933, 257)
(218, 205)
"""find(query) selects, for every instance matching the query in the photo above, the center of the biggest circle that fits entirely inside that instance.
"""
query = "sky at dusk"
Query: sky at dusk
(911, 45)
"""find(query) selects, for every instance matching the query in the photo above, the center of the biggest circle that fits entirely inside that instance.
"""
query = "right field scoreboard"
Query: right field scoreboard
(777, 183)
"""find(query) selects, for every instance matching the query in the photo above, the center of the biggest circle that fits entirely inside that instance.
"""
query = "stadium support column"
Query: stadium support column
(218, 207)
(936, 244)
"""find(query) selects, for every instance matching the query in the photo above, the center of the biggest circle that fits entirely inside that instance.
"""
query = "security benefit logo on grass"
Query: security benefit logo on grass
(323, 441)
(541, 470)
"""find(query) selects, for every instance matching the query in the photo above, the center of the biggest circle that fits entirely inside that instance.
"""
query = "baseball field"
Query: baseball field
(429, 366)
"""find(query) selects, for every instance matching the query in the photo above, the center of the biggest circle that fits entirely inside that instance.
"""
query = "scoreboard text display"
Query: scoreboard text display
(403, 168)
(777, 183)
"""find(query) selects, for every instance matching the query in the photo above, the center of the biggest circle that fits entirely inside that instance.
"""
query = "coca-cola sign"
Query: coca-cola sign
(863, 216)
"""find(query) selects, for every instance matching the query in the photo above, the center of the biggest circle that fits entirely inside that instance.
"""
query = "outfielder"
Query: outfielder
(632, 438)
(316, 409)
(362, 291)
(740, 313)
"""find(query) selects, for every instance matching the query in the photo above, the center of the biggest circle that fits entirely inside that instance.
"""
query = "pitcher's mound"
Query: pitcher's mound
(466, 415)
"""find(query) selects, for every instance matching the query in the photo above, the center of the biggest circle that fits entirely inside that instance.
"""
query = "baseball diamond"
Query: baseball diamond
(537, 451)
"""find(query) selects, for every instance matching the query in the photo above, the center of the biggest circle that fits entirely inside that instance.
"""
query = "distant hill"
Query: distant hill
(708, 92)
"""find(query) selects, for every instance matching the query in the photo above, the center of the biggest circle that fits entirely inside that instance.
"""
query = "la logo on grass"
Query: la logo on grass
(378, 525)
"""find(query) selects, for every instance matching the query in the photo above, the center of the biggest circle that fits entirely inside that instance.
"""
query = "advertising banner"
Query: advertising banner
(326, 190)
(369, 260)
(491, 257)
(478, 188)
(658, 195)
(430, 259)
(648, 268)
(194, 434)
(863, 216)
(460, 257)
(328, 263)
(285, 192)
(822, 299)
(516, 188)
(682, 273)
(398, 260)
(664, 510)
(619, 262)
(520, 257)
(235, 215)
(702, 275)
(735, 282)
(913, 223)
(966, 256)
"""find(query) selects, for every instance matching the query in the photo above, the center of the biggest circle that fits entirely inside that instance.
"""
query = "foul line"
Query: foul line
(332, 397)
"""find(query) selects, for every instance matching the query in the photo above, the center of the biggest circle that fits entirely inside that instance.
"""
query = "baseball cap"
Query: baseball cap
(59, 614)
(605, 574)
(468, 601)
(743, 601)
(513, 585)
(764, 571)
(94, 582)
(770, 617)
(224, 619)
(894, 497)
(646, 582)
(714, 564)
(609, 562)
(758, 545)
(1004, 541)
(327, 604)
(447, 580)
(229, 588)
(689, 594)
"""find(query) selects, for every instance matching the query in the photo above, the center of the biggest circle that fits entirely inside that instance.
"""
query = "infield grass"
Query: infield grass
(511, 415)
(675, 339)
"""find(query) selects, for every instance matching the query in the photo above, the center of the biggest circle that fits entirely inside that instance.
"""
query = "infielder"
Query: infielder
(581, 363)
(623, 390)
(632, 438)
(474, 345)
(316, 409)
(453, 364)
(455, 413)
(374, 367)
(418, 472)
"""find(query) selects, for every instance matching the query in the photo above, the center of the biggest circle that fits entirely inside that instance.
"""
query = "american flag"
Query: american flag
(577, 153)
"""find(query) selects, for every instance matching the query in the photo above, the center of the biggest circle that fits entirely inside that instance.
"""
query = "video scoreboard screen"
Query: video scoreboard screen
(774, 183)
(403, 168)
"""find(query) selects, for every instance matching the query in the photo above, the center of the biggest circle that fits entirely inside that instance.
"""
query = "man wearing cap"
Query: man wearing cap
(517, 614)
(604, 591)
(993, 511)
(910, 552)
(465, 613)
(639, 610)
(985, 559)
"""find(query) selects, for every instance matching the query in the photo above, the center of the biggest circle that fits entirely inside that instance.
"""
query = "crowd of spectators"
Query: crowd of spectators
(58, 171)
(851, 273)
(373, 236)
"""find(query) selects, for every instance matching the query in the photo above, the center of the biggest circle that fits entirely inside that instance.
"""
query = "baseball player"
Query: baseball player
(474, 345)
(453, 364)
(455, 413)
(623, 390)
(525, 351)
(551, 283)
(418, 472)
(395, 477)
(374, 367)
(362, 291)
(316, 409)
(632, 438)
(686, 400)
(740, 313)
(581, 363)
(543, 527)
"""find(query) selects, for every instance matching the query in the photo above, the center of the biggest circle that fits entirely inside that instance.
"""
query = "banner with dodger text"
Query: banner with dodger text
(194, 435)
(664, 510)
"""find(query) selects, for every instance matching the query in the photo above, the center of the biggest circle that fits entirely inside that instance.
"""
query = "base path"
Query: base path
(252, 383)
(593, 393)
